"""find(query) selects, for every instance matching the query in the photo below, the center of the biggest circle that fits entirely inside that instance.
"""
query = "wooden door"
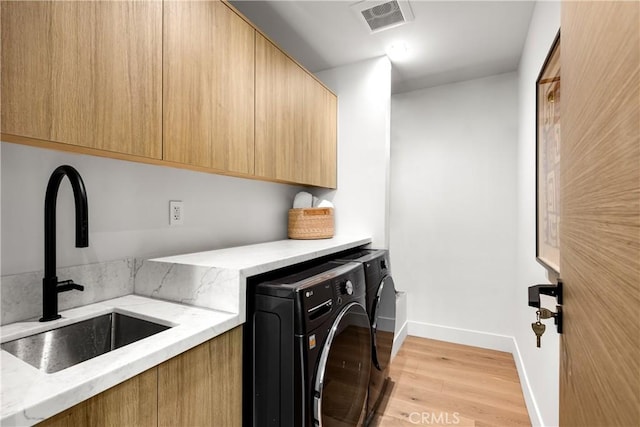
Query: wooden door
(600, 214)
(84, 73)
(208, 85)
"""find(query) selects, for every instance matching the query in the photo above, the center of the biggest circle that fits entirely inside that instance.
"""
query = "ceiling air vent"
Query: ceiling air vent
(382, 15)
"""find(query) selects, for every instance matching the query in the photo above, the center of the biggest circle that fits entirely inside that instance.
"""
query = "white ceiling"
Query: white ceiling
(448, 41)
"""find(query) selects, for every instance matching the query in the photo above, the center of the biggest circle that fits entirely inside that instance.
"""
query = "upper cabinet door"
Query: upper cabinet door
(278, 113)
(295, 121)
(320, 134)
(208, 86)
(84, 73)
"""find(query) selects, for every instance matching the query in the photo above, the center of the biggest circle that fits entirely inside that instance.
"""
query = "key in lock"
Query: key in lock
(538, 329)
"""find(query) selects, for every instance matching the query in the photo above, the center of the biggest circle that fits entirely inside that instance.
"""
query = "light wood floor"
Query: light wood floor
(434, 383)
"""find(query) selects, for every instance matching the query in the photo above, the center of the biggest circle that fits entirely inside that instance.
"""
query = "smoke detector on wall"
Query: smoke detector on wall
(381, 15)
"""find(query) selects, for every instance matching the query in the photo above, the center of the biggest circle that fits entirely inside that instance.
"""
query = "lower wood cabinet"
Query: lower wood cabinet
(203, 386)
(131, 403)
(200, 387)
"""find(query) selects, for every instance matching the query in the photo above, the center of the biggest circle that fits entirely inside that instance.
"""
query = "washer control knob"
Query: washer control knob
(347, 287)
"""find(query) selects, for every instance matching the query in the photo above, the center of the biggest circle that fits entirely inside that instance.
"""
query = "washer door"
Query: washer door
(342, 376)
(383, 323)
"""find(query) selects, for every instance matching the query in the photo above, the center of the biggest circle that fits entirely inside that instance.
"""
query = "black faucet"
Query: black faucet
(50, 285)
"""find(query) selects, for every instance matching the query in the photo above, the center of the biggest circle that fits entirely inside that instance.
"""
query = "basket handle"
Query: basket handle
(321, 211)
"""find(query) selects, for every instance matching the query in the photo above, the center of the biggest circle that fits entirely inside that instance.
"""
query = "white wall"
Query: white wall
(362, 198)
(453, 209)
(539, 367)
(129, 209)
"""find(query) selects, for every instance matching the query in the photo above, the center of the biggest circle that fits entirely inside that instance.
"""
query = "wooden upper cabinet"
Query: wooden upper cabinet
(320, 133)
(278, 112)
(84, 73)
(295, 133)
(178, 83)
(208, 86)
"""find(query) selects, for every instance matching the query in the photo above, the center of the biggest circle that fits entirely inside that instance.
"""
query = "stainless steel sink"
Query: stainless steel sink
(57, 349)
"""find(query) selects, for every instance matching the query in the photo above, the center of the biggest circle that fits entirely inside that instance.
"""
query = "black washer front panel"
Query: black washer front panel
(293, 320)
(342, 377)
(381, 309)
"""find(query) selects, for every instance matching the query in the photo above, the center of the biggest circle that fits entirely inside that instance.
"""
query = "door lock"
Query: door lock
(549, 289)
(543, 313)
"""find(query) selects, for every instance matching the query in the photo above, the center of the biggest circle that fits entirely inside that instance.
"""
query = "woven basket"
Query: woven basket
(310, 223)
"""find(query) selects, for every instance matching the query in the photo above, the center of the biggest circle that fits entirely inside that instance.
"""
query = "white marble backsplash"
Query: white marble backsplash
(208, 287)
(22, 293)
(211, 279)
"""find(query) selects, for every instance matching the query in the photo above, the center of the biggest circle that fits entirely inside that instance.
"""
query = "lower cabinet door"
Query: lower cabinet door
(200, 387)
(131, 403)
(203, 386)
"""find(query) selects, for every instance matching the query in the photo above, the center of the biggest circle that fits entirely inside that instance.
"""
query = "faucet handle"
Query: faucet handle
(68, 285)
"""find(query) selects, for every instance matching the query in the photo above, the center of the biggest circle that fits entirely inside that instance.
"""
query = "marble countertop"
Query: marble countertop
(217, 279)
(263, 257)
(29, 395)
(201, 295)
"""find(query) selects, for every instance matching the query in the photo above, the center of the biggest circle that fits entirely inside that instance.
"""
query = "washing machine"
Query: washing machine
(311, 348)
(381, 309)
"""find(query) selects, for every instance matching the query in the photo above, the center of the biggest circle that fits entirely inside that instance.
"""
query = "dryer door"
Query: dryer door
(383, 322)
(342, 375)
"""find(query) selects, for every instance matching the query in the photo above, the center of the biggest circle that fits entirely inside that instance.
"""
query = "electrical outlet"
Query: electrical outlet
(176, 212)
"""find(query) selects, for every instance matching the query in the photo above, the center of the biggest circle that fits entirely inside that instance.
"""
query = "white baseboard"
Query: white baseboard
(483, 340)
(398, 339)
(401, 326)
(461, 336)
(529, 399)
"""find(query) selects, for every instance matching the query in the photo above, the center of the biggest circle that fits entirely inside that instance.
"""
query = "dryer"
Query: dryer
(381, 309)
(312, 341)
